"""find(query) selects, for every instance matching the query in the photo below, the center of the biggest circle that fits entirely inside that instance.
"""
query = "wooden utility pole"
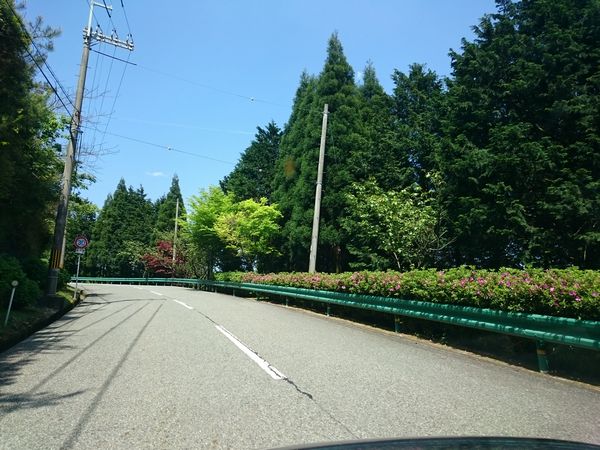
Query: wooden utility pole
(56, 255)
(312, 263)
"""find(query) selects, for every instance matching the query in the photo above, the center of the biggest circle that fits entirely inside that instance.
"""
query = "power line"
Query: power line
(126, 19)
(166, 147)
(185, 125)
(206, 86)
(35, 61)
(107, 80)
(112, 108)
(97, 68)
(106, 8)
(126, 61)
(93, 14)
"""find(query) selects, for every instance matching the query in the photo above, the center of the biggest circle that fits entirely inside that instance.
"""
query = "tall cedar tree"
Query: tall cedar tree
(29, 161)
(523, 170)
(121, 233)
(292, 192)
(166, 209)
(379, 154)
(336, 87)
(297, 166)
(252, 177)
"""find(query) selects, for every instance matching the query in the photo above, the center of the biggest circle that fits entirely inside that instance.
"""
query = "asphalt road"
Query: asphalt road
(167, 367)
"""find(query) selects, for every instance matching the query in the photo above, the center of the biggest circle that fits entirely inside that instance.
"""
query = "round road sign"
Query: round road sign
(81, 242)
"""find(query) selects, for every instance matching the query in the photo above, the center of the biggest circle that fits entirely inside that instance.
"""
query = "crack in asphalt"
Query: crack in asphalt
(290, 382)
(283, 377)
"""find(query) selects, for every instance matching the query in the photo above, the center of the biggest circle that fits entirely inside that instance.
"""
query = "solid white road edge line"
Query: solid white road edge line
(182, 304)
(264, 365)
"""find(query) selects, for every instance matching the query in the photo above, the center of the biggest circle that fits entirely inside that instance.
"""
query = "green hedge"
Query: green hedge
(556, 292)
(28, 291)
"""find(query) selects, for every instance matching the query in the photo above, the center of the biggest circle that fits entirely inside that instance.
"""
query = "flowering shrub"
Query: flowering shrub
(557, 292)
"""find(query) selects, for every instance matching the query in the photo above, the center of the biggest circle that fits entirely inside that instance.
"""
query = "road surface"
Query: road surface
(170, 367)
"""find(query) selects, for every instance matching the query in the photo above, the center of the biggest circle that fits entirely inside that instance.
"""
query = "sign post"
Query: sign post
(80, 243)
(14, 285)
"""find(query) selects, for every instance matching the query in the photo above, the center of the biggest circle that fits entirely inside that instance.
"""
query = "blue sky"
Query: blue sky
(208, 73)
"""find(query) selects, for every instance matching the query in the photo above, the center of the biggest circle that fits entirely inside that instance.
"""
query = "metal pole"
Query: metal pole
(56, 257)
(540, 347)
(317, 213)
(77, 276)
(12, 295)
(175, 235)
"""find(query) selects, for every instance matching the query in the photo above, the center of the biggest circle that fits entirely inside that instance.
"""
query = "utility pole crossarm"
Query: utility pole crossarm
(112, 39)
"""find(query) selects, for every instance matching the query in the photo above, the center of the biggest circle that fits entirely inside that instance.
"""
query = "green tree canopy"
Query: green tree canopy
(30, 164)
(418, 111)
(252, 177)
(522, 169)
(297, 166)
(249, 229)
(166, 208)
(398, 224)
(209, 251)
(122, 234)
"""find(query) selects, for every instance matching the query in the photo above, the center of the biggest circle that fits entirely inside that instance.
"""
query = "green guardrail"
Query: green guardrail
(155, 281)
(543, 329)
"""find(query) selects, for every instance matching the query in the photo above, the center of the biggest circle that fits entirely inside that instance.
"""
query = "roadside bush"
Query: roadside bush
(36, 270)
(63, 278)
(556, 292)
(28, 291)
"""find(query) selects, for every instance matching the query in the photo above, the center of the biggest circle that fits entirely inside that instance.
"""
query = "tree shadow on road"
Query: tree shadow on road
(50, 340)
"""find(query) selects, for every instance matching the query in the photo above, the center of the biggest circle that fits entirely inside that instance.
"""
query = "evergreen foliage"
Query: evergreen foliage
(166, 207)
(122, 233)
(30, 165)
(252, 177)
(506, 149)
(522, 165)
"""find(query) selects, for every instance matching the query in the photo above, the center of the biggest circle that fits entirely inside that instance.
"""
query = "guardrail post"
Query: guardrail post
(540, 347)
(287, 302)
(328, 310)
(397, 324)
